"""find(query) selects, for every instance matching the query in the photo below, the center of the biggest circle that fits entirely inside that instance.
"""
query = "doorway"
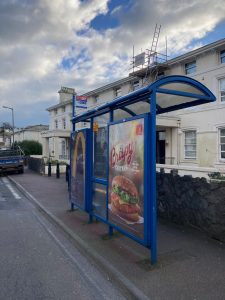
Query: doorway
(161, 147)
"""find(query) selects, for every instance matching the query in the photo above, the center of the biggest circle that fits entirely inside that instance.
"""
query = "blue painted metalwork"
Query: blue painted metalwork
(100, 180)
(128, 111)
(73, 109)
(149, 95)
(143, 94)
(152, 170)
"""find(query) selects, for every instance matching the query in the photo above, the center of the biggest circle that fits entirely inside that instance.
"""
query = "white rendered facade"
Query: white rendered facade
(190, 140)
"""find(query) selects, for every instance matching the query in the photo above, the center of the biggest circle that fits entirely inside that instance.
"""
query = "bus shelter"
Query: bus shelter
(113, 162)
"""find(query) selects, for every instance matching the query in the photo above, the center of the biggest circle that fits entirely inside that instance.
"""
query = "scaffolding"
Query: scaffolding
(150, 64)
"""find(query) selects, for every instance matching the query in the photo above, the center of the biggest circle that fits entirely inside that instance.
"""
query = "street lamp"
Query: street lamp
(11, 108)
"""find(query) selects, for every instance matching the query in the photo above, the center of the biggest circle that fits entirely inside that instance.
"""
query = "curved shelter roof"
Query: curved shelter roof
(171, 93)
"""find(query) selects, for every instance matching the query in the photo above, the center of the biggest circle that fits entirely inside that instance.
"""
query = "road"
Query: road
(37, 261)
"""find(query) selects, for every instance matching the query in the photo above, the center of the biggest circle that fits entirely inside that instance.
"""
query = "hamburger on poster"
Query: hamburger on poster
(125, 199)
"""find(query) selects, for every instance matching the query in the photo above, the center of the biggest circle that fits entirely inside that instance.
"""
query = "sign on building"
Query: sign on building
(139, 59)
(81, 102)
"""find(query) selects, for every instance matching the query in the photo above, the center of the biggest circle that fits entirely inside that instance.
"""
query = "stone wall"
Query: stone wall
(192, 201)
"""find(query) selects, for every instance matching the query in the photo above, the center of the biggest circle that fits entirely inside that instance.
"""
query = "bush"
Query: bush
(30, 147)
(216, 175)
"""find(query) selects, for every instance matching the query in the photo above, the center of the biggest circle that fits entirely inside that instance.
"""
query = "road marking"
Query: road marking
(6, 182)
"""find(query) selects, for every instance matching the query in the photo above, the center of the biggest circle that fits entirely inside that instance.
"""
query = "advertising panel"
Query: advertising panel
(78, 141)
(126, 176)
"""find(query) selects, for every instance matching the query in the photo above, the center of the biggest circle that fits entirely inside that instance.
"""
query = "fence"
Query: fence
(36, 164)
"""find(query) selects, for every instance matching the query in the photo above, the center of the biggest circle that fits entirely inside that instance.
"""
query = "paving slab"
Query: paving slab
(190, 265)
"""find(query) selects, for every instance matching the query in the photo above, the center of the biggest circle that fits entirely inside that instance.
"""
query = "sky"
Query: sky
(85, 44)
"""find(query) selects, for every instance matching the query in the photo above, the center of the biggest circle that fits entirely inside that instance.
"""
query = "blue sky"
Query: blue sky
(84, 44)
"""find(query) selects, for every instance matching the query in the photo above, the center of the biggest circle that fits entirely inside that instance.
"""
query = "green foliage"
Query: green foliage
(30, 147)
(54, 162)
(216, 175)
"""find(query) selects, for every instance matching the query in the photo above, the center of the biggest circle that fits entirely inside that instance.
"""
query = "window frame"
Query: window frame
(190, 67)
(64, 123)
(221, 144)
(136, 85)
(118, 92)
(222, 56)
(56, 124)
(222, 91)
(187, 157)
(97, 99)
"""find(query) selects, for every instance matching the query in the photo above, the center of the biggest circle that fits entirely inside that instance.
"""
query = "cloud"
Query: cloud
(45, 44)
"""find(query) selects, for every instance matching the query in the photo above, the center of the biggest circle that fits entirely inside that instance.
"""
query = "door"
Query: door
(160, 147)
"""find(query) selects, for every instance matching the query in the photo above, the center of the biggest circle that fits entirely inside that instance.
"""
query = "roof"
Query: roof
(220, 44)
(37, 128)
(61, 104)
(172, 93)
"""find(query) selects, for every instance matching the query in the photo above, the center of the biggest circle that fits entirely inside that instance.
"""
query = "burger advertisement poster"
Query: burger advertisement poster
(126, 176)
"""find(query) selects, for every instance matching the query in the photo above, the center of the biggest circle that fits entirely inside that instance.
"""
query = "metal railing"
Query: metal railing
(61, 156)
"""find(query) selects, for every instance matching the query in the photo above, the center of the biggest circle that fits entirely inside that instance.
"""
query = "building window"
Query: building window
(97, 99)
(222, 56)
(55, 111)
(136, 85)
(160, 75)
(63, 149)
(222, 143)
(118, 92)
(64, 123)
(190, 68)
(190, 144)
(56, 124)
(63, 109)
(222, 89)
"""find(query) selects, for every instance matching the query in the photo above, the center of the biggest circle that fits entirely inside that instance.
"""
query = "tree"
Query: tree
(30, 147)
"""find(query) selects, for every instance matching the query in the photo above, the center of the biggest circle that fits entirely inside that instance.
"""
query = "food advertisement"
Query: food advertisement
(78, 169)
(126, 176)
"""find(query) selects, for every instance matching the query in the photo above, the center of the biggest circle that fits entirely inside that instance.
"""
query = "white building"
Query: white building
(56, 140)
(32, 132)
(188, 139)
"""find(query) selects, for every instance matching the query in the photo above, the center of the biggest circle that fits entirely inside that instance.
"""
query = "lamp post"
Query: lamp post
(11, 108)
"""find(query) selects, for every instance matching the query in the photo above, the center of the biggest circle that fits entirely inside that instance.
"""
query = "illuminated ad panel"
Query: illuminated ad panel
(78, 169)
(126, 176)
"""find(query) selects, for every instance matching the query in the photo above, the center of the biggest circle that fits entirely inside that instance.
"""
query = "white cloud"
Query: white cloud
(36, 36)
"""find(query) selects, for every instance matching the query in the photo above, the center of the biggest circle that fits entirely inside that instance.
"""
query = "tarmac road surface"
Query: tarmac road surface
(38, 262)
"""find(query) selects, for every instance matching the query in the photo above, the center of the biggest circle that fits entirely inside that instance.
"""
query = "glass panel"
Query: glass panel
(120, 114)
(182, 87)
(78, 168)
(190, 134)
(190, 154)
(166, 100)
(222, 132)
(139, 107)
(190, 67)
(99, 200)
(222, 154)
(100, 146)
(126, 176)
(222, 140)
(162, 135)
(190, 148)
(222, 147)
(222, 84)
(222, 56)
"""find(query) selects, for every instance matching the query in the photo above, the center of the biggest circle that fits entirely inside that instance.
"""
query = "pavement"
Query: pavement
(190, 264)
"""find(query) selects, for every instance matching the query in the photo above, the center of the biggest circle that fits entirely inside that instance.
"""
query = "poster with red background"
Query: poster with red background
(126, 176)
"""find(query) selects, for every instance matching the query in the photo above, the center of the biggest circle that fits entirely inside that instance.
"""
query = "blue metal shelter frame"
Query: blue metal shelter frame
(165, 95)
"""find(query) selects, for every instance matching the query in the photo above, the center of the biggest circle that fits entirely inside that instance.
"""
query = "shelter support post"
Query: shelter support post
(152, 193)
